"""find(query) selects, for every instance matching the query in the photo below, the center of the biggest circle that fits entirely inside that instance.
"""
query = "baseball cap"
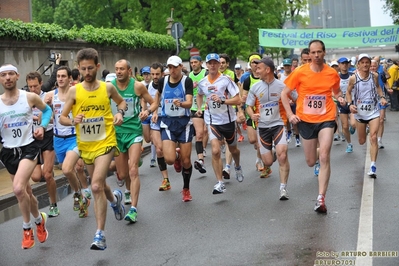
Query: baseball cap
(343, 60)
(333, 63)
(353, 60)
(389, 61)
(212, 56)
(110, 77)
(174, 60)
(237, 66)
(361, 56)
(287, 62)
(267, 61)
(145, 69)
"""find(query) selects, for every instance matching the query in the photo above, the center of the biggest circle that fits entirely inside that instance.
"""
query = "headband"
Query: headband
(8, 68)
(255, 56)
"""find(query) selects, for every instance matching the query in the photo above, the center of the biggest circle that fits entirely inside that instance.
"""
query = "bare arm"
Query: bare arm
(70, 101)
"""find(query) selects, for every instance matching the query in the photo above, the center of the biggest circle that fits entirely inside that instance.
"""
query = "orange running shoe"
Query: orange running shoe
(266, 173)
(241, 138)
(41, 230)
(165, 185)
(28, 240)
(186, 195)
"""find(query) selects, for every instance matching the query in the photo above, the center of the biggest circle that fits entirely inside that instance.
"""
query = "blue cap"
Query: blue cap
(343, 60)
(145, 69)
(212, 56)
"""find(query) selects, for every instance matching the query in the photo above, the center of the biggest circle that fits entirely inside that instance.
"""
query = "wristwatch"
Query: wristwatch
(222, 100)
(122, 112)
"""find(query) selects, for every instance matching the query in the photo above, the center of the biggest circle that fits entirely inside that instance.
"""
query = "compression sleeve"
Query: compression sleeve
(46, 116)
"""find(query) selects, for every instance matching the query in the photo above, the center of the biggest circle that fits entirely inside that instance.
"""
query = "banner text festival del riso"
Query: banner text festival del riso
(332, 38)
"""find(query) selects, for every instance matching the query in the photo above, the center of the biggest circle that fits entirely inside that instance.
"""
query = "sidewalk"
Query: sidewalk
(9, 204)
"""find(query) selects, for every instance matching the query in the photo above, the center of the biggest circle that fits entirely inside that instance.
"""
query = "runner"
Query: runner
(315, 112)
(270, 123)
(94, 124)
(221, 94)
(367, 94)
(20, 153)
(201, 132)
(175, 94)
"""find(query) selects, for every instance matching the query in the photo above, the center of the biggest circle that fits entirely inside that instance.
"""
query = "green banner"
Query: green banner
(332, 38)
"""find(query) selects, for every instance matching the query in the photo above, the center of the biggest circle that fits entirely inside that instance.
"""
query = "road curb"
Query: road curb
(9, 203)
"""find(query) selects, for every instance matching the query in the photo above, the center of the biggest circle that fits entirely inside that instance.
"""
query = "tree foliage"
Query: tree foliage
(392, 6)
(228, 26)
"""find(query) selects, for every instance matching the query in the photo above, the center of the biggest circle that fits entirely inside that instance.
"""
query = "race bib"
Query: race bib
(173, 110)
(314, 104)
(365, 107)
(129, 112)
(92, 129)
(14, 132)
(217, 108)
(269, 112)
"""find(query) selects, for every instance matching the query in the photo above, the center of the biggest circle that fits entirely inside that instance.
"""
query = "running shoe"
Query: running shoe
(87, 193)
(317, 168)
(226, 173)
(119, 182)
(289, 133)
(165, 185)
(343, 137)
(118, 207)
(200, 166)
(177, 163)
(372, 171)
(239, 174)
(320, 206)
(336, 137)
(297, 143)
(284, 194)
(53, 211)
(131, 216)
(244, 126)
(76, 199)
(380, 145)
(28, 241)
(219, 188)
(241, 138)
(223, 148)
(349, 148)
(153, 164)
(266, 172)
(186, 195)
(204, 153)
(260, 166)
(128, 198)
(84, 212)
(41, 230)
(99, 242)
(352, 130)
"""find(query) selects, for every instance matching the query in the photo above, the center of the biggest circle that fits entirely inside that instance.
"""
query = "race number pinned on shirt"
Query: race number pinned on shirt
(216, 107)
(92, 129)
(269, 112)
(129, 107)
(173, 110)
(314, 104)
(365, 107)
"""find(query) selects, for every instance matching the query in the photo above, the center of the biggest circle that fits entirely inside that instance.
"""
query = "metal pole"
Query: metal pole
(177, 40)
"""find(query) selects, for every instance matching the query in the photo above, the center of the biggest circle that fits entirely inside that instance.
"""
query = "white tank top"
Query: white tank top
(58, 106)
(16, 122)
(37, 112)
(152, 91)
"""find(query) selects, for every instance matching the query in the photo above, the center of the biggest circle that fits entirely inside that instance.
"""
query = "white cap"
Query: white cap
(166, 72)
(361, 56)
(353, 61)
(237, 66)
(333, 63)
(110, 77)
(174, 60)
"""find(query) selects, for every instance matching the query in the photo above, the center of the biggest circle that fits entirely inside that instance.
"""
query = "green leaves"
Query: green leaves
(43, 32)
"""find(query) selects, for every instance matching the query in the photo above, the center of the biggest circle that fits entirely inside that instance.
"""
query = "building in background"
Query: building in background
(340, 14)
(16, 10)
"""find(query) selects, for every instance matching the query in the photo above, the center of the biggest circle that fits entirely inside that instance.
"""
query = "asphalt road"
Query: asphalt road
(247, 225)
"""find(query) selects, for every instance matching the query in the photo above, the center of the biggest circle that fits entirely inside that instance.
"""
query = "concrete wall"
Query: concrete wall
(29, 56)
